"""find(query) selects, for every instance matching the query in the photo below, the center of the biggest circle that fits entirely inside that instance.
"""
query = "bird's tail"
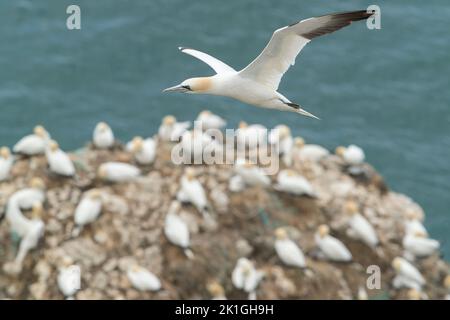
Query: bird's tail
(303, 112)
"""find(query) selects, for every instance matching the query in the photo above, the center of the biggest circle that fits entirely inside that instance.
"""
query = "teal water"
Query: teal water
(386, 90)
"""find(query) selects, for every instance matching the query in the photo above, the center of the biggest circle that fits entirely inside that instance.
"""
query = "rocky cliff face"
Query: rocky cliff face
(129, 230)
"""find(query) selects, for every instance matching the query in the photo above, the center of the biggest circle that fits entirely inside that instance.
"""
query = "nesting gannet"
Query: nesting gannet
(27, 197)
(419, 245)
(287, 250)
(103, 136)
(257, 84)
(407, 275)
(144, 151)
(291, 182)
(142, 279)
(360, 228)
(216, 290)
(118, 172)
(176, 230)
(332, 248)
(193, 192)
(281, 137)
(171, 130)
(33, 144)
(236, 183)
(69, 278)
(251, 174)
(59, 162)
(250, 136)
(352, 155)
(88, 209)
(413, 223)
(6, 163)
(415, 294)
(34, 231)
(207, 120)
(246, 277)
(308, 152)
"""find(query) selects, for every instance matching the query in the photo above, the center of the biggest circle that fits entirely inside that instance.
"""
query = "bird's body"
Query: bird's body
(419, 245)
(246, 277)
(251, 174)
(257, 84)
(193, 192)
(171, 130)
(69, 279)
(33, 144)
(144, 151)
(352, 155)
(332, 248)
(407, 275)
(308, 152)
(58, 161)
(103, 136)
(118, 172)
(143, 280)
(291, 182)
(27, 197)
(88, 209)
(363, 230)
(289, 253)
(177, 231)
(207, 120)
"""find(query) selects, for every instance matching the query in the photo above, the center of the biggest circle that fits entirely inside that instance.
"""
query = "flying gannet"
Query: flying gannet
(257, 83)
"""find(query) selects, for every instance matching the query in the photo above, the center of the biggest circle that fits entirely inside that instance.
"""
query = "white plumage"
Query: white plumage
(250, 136)
(142, 279)
(33, 144)
(171, 130)
(144, 151)
(360, 228)
(257, 84)
(176, 230)
(352, 155)
(69, 279)
(251, 174)
(407, 275)
(413, 223)
(207, 120)
(103, 136)
(419, 245)
(281, 138)
(196, 143)
(118, 172)
(308, 152)
(291, 182)
(6, 163)
(236, 184)
(288, 251)
(89, 208)
(332, 248)
(246, 277)
(27, 197)
(193, 192)
(58, 161)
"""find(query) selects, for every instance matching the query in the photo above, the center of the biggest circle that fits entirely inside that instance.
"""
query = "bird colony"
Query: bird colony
(122, 221)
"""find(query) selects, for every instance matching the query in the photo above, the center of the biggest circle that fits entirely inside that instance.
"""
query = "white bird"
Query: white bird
(407, 275)
(142, 279)
(360, 228)
(291, 182)
(192, 191)
(257, 84)
(419, 245)
(171, 130)
(59, 162)
(196, 144)
(69, 278)
(413, 223)
(287, 250)
(236, 184)
(176, 230)
(207, 120)
(144, 151)
(308, 152)
(6, 163)
(251, 174)
(88, 209)
(250, 136)
(352, 155)
(18, 222)
(216, 290)
(118, 172)
(246, 277)
(281, 137)
(332, 248)
(35, 230)
(33, 144)
(103, 136)
(27, 197)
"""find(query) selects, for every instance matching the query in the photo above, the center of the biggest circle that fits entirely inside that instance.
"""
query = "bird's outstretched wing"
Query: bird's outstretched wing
(217, 65)
(286, 43)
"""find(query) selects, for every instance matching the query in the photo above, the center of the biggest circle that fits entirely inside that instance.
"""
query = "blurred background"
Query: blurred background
(385, 90)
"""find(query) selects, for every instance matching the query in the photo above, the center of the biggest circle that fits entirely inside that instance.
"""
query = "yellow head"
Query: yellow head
(243, 125)
(95, 194)
(284, 132)
(299, 142)
(340, 151)
(37, 210)
(190, 173)
(137, 144)
(323, 230)
(215, 289)
(37, 183)
(53, 145)
(351, 207)
(66, 261)
(397, 263)
(169, 120)
(281, 234)
(102, 126)
(290, 173)
(420, 234)
(447, 282)
(102, 172)
(5, 153)
(205, 113)
(413, 294)
(136, 268)
(40, 131)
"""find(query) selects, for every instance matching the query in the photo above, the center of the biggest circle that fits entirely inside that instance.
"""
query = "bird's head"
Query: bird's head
(102, 126)
(53, 145)
(281, 234)
(95, 194)
(37, 210)
(340, 151)
(137, 144)
(215, 289)
(40, 131)
(397, 263)
(414, 294)
(447, 282)
(5, 153)
(192, 85)
(37, 183)
(323, 230)
(299, 142)
(351, 207)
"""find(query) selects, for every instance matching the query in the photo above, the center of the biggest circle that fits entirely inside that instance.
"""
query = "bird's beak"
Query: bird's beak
(177, 88)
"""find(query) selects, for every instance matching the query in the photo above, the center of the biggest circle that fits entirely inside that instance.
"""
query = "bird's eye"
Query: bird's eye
(187, 87)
